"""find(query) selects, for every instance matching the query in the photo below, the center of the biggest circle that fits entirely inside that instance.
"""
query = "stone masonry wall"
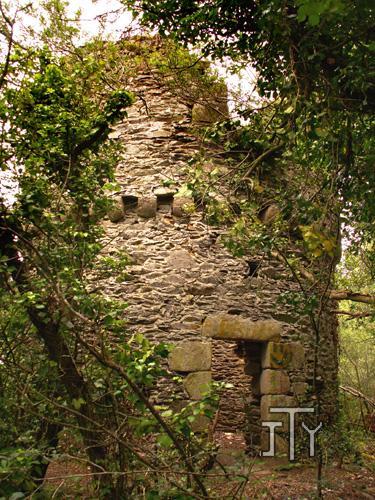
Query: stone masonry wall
(180, 272)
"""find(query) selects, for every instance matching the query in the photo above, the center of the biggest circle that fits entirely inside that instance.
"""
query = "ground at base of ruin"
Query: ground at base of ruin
(269, 478)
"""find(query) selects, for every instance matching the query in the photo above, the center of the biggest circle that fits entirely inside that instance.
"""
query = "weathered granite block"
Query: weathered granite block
(116, 213)
(200, 423)
(197, 384)
(191, 356)
(164, 191)
(300, 388)
(233, 327)
(214, 110)
(274, 382)
(182, 206)
(280, 401)
(289, 355)
(180, 259)
(147, 207)
(281, 444)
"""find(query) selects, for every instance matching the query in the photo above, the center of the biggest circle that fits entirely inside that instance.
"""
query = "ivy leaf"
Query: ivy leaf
(164, 441)
(77, 403)
(314, 19)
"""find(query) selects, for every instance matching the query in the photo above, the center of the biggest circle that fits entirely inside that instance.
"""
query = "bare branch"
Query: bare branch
(353, 315)
(358, 394)
(353, 296)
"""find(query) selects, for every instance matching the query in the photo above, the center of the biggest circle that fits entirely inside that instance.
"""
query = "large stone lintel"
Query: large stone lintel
(232, 327)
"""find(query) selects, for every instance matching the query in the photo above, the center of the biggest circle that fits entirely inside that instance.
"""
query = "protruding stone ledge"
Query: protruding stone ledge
(182, 206)
(147, 207)
(232, 327)
(116, 213)
(191, 356)
(290, 355)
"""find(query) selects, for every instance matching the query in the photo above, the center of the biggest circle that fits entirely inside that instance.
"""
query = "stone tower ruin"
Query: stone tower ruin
(185, 288)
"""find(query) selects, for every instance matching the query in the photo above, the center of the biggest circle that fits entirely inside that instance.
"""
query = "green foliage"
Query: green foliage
(113, 265)
(321, 80)
(289, 43)
(15, 465)
(342, 441)
(357, 333)
(312, 10)
(182, 72)
(67, 359)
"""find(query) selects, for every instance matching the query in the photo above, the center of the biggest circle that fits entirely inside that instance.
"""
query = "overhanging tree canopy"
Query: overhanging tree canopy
(322, 46)
(315, 63)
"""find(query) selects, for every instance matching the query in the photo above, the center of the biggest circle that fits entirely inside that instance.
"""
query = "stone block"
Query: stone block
(290, 355)
(147, 207)
(197, 384)
(201, 423)
(233, 327)
(280, 401)
(115, 134)
(274, 382)
(213, 110)
(164, 192)
(281, 444)
(182, 206)
(159, 134)
(191, 356)
(201, 289)
(116, 213)
(269, 214)
(300, 388)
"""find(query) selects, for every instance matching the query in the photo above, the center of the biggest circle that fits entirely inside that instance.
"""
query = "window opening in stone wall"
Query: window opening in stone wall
(252, 352)
(253, 268)
(130, 202)
(164, 202)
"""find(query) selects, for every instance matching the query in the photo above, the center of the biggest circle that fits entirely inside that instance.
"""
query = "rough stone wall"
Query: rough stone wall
(181, 273)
